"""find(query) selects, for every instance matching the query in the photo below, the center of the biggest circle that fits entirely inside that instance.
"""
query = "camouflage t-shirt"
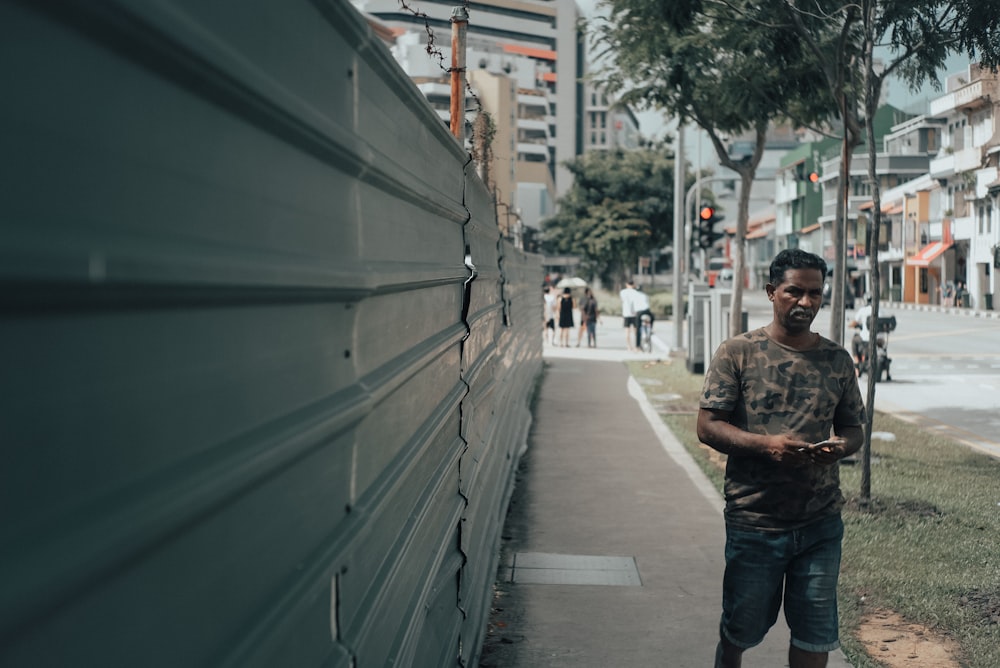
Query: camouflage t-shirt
(771, 389)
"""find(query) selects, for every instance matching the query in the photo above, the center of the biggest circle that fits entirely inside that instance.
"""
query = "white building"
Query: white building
(966, 170)
(537, 44)
(607, 125)
(545, 31)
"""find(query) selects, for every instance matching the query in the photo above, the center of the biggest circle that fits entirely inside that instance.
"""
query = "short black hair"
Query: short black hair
(794, 258)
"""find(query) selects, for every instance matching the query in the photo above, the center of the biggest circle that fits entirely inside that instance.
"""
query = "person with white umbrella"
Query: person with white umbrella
(572, 282)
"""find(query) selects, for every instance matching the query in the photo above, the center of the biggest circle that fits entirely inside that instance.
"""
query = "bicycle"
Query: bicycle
(646, 333)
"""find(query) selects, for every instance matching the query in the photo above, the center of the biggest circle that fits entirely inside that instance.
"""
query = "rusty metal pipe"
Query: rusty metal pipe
(459, 27)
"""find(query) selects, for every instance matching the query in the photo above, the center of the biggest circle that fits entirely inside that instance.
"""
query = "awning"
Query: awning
(887, 207)
(541, 54)
(928, 254)
(760, 232)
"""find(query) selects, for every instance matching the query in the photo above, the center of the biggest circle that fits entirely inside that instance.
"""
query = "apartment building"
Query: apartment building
(943, 227)
(964, 218)
(535, 42)
(607, 125)
(808, 181)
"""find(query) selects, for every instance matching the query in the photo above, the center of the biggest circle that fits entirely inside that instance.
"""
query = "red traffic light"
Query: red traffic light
(813, 177)
(706, 213)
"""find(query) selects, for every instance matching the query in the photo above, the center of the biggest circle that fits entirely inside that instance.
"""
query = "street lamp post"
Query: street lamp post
(679, 242)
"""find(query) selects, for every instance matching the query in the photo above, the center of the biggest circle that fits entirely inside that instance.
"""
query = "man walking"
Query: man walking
(549, 317)
(771, 399)
(628, 297)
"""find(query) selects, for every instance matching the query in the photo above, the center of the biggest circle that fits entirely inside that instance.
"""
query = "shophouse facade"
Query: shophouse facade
(941, 229)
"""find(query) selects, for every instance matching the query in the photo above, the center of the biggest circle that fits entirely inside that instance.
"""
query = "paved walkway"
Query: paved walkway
(613, 547)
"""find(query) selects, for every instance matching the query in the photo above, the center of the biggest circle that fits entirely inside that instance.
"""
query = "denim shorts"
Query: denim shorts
(801, 566)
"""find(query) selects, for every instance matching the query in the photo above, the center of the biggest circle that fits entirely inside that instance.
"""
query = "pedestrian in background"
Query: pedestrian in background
(627, 296)
(948, 294)
(961, 295)
(771, 399)
(548, 315)
(566, 306)
(588, 319)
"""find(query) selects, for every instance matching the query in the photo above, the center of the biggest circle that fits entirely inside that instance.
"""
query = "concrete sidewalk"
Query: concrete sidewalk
(613, 546)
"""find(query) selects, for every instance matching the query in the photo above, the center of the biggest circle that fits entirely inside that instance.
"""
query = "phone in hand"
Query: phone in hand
(830, 442)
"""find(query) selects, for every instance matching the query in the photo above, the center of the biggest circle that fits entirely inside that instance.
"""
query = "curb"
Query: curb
(950, 310)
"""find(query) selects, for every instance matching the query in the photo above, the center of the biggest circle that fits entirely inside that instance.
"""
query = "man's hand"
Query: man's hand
(827, 452)
(787, 449)
(793, 451)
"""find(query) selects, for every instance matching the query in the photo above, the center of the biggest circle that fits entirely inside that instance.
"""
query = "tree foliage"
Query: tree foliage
(920, 36)
(720, 64)
(619, 207)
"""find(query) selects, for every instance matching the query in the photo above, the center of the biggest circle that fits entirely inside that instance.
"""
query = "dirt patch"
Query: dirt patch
(906, 509)
(897, 643)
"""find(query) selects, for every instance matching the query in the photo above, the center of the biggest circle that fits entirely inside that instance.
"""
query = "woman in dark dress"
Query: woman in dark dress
(566, 307)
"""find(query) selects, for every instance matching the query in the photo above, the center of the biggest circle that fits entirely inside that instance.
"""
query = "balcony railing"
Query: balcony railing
(968, 159)
(969, 97)
(942, 166)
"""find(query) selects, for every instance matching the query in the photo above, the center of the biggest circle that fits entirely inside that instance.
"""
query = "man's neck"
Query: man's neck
(796, 341)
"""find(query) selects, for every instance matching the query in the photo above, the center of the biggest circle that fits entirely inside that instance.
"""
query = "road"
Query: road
(945, 371)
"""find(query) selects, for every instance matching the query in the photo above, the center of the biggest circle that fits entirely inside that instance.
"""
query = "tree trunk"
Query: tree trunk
(746, 172)
(872, 86)
(849, 143)
(739, 253)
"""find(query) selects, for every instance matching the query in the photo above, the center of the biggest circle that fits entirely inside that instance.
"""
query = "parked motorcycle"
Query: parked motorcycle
(882, 361)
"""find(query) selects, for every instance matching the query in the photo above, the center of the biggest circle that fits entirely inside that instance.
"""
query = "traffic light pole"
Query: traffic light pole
(682, 233)
(688, 225)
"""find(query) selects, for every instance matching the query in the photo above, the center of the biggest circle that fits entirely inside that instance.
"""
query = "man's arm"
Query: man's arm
(715, 431)
(854, 437)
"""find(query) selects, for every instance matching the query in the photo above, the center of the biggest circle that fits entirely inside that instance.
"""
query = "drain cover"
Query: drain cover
(571, 569)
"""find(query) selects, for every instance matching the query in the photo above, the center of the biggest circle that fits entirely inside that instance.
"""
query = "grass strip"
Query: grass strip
(926, 547)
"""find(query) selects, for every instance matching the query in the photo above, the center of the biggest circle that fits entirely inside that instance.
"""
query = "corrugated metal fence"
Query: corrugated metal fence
(258, 408)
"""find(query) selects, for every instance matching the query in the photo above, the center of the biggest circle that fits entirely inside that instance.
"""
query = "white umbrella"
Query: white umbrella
(573, 282)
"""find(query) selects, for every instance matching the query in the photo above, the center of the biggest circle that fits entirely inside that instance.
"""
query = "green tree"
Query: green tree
(619, 208)
(719, 64)
(920, 35)
(829, 31)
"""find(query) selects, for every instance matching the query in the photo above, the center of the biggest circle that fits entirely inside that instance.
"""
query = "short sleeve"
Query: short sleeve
(722, 381)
